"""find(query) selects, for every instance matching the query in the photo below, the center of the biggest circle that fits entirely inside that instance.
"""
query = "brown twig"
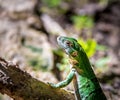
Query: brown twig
(21, 86)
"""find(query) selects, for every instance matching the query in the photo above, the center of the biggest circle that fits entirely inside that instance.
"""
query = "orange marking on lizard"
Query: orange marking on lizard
(73, 62)
(74, 54)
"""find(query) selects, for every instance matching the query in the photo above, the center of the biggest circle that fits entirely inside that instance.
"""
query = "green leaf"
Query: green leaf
(89, 46)
(52, 3)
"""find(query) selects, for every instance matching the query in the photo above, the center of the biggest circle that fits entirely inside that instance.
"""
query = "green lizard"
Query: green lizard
(85, 82)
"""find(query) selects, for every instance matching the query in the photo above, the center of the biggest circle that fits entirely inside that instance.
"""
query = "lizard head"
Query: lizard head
(77, 56)
(70, 45)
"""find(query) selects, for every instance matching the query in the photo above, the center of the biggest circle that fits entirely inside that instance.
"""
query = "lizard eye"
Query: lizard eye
(68, 43)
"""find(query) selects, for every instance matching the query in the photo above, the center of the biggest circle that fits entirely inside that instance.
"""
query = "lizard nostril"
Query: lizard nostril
(58, 38)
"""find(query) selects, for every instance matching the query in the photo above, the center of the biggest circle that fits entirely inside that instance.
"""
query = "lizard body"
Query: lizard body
(85, 82)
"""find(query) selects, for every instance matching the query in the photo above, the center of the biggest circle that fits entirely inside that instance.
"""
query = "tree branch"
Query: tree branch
(21, 86)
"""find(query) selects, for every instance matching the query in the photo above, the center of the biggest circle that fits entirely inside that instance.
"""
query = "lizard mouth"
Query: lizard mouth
(60, 41)
(64, 44)
(59, 38)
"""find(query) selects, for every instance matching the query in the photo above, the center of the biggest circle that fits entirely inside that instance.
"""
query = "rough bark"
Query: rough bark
(21, 86)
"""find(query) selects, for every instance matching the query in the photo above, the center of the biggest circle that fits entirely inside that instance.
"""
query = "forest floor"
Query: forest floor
(29, 28)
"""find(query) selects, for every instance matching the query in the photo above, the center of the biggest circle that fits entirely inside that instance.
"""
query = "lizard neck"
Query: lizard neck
(82, 65)
(88, 84)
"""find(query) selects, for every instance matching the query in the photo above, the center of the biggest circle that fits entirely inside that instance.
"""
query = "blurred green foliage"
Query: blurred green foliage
(101, 47)
(104, 2)
(62, 59)
(52, 3)
(102, 65)
(64, 65)
(35, 58)
(89, 46)
(102, 62)
(34, 49)
(81, 21)
(38, 64)
(58, 52)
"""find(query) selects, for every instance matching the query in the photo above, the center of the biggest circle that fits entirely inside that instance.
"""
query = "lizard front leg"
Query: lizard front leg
(66, 81)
